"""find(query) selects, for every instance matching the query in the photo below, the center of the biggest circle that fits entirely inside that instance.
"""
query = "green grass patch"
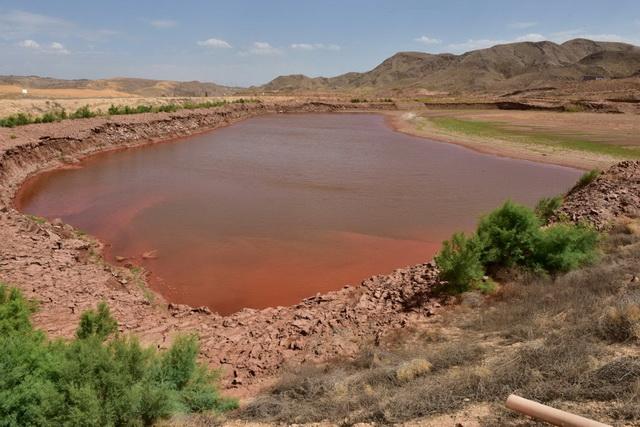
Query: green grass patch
(586, 179)
(547, 207)
(497, 131)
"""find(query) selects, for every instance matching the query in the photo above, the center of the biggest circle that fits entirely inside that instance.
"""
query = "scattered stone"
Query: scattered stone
(615, 193)
(152, 254)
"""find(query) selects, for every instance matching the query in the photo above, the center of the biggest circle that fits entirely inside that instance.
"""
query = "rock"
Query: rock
(114, 284)
(614, 193)
(202, 309)
(304, 326)
(120, 258)
(152, 254)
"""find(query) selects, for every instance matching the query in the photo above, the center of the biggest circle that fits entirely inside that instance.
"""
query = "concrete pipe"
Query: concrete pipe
(548, 414)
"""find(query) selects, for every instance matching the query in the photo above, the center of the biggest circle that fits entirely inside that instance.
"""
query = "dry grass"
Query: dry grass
(568, 341)
(622, 322)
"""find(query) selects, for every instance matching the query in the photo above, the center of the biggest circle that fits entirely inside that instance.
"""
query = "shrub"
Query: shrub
(97, 323)
(51, 116)
(14, 311)
(564, 247)
(511, 236)
(586, 179)
(99, 378)
(574, 108)
(167, 108)
(621, 322)
(547, 206)
(413, 369)
(19, 119)
(459, 263)
(508, 235)
(113, 110)
(83, 112)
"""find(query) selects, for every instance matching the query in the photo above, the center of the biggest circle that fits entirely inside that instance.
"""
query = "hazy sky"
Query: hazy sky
(242, 42)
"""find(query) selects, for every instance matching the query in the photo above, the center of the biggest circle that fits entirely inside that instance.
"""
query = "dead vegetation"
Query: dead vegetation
(570, 341)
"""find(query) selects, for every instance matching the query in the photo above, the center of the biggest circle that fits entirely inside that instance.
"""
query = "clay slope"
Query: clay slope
(121, 85)
(502, 67)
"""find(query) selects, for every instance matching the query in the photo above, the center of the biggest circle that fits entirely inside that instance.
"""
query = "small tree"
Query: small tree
(508, 235)
(98, 323)
(459, 263)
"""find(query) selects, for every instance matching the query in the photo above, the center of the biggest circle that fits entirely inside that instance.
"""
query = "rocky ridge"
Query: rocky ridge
(614, 193)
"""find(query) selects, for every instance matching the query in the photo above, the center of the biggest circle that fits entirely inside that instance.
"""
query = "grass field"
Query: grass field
(494, 130)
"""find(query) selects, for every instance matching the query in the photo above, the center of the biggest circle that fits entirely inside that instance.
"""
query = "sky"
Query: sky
(243, 42)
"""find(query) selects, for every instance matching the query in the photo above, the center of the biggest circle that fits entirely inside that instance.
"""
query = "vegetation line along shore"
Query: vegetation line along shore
(85, 112)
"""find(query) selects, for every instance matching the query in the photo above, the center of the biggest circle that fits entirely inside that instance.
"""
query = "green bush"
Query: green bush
(83, 112)
(97, 323)
(508, 235)
(564, 247)
(512, 236)
(547, 206)
(99, 378)
(19, 119)
(459, 263)
(51, 116)
(167, 108)
(586, 179)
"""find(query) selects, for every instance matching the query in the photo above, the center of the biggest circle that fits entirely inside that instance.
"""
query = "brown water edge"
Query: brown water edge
(278, 208)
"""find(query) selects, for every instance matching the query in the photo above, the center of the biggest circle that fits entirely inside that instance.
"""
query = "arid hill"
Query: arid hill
(119, 86)
(513, 66)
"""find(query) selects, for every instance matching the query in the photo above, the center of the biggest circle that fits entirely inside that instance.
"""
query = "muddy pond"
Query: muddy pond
(277, 208)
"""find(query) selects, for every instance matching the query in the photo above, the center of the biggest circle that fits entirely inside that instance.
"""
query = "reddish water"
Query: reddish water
(278, 208)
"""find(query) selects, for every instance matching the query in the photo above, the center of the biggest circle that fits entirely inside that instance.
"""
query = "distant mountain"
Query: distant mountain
(502, 67)
(120, 86)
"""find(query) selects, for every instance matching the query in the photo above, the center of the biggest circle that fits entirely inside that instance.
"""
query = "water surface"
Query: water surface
(277, 208)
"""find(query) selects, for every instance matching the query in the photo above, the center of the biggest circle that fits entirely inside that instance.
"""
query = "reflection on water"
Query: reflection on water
(278, 208)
